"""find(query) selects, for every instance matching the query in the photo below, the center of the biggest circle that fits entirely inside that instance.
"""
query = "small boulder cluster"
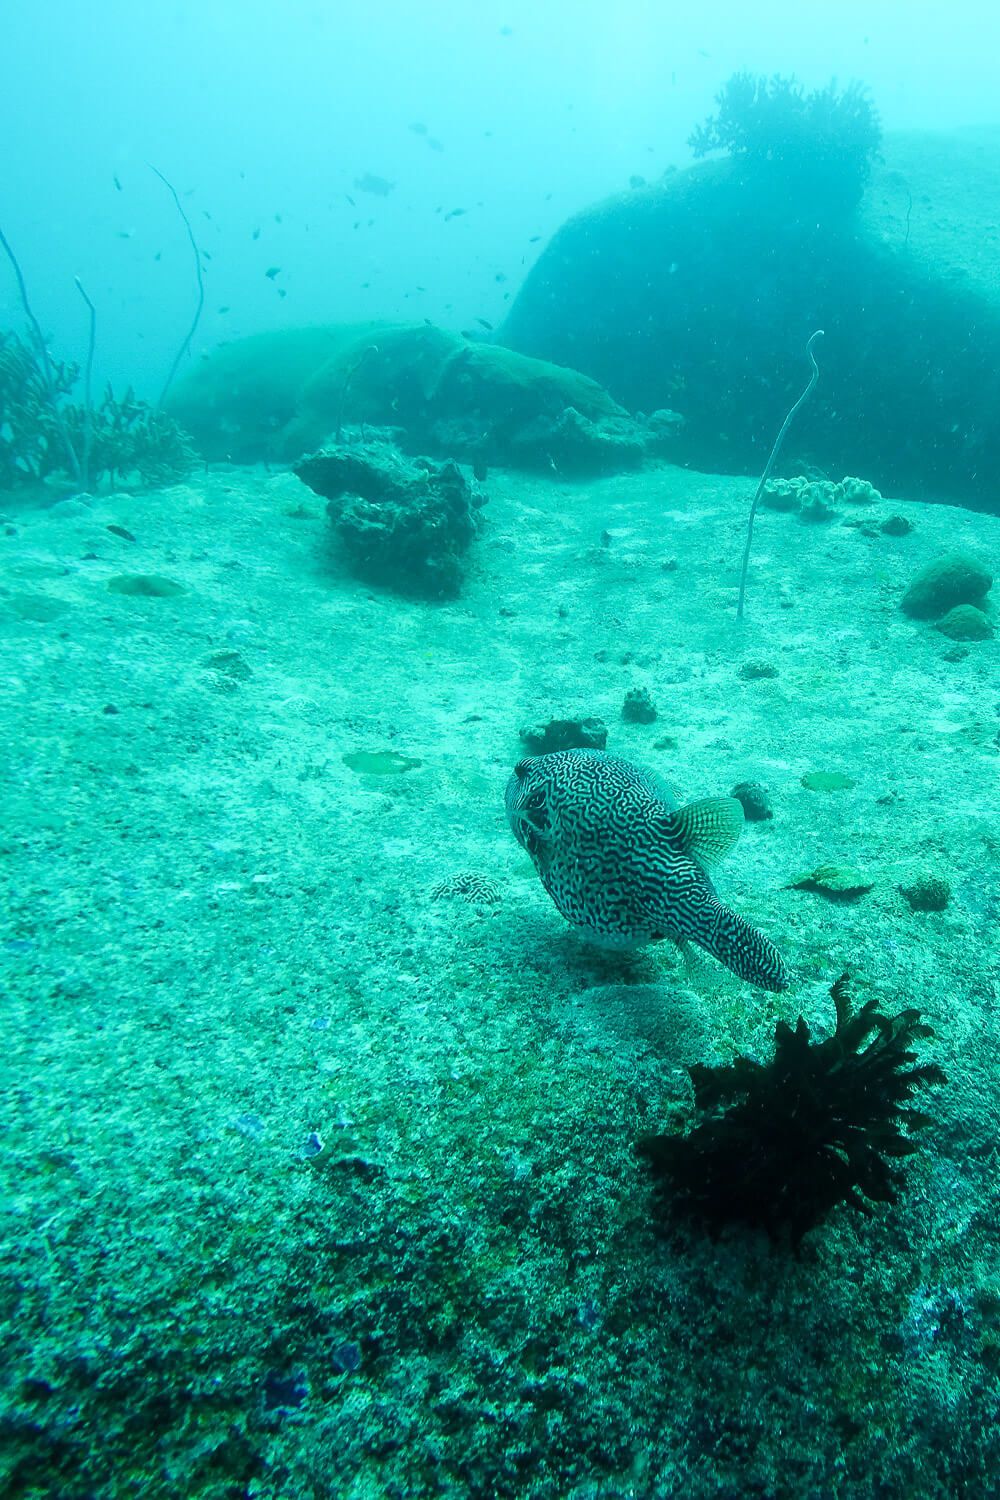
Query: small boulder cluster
(951, 591)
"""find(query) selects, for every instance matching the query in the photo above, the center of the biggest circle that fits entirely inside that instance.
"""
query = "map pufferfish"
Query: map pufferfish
(626, 866)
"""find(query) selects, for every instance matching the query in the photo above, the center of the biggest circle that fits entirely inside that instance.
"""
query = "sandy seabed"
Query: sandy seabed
(318, 1177)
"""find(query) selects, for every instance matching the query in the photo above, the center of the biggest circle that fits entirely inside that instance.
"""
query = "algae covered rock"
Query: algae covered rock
(379, 373)
(478, 402)
(838, 881)
(564, 734)
(966, 623)
(277, 395)
(237, 403)
(646, 292)
(927, 892)
(638, 707)
(954, 578)
(403, 524)
(575, 445)
(755, 801)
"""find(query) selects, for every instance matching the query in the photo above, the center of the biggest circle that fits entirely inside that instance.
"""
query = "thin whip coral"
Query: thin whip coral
(770, 465)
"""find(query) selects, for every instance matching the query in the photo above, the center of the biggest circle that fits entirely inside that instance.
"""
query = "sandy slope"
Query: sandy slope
(220, 938)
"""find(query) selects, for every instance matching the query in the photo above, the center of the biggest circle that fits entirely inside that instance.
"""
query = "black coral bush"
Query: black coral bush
(781, 1144)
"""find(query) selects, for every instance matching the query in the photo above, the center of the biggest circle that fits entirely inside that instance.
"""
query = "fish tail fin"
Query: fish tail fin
(741, 947)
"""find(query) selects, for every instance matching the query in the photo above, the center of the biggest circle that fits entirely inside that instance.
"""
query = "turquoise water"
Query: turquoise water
(498, 973)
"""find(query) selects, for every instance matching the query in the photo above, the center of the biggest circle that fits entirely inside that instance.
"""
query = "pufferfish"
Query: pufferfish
(626, 866)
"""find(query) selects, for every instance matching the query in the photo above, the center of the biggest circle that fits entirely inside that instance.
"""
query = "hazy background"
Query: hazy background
(267, 115)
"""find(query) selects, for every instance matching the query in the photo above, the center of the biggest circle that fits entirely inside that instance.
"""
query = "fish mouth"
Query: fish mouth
(527, 809)
(532, 826)
(777, 980)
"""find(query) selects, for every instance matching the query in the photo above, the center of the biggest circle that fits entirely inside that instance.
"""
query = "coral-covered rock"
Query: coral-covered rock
(276, 395)
(927, 891)
(564, 734)
(638, 707)
(952, 579)
(646, 291)
(406, 524)
(966, 623)
(755, 801)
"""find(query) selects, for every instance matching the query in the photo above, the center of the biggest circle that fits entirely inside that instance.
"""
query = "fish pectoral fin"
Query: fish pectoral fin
(696, 966)
(707, 830)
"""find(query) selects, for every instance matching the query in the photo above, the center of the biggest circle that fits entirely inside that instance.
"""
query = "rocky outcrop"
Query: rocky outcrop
(700, 291)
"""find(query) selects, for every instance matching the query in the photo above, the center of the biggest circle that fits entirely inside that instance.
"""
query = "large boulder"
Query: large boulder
(701, 290)
(237, 402)
(279, 394)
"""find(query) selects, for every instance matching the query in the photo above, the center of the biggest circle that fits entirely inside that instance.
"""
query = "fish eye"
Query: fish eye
(522, 768)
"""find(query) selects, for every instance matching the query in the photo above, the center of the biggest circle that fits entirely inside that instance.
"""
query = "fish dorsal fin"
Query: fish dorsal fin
(707, 830)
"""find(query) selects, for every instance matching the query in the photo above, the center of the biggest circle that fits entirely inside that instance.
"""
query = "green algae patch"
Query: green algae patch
(37, 607)
(145, 585)
(380, 762)
(827, 781)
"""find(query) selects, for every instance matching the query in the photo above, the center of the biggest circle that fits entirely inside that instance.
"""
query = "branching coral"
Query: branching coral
(825, 140)
(30, 440)
(128, 436)
(122, 437)
(785, 1142)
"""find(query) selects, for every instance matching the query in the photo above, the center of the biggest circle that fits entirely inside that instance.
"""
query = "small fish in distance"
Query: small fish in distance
(370, 182)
